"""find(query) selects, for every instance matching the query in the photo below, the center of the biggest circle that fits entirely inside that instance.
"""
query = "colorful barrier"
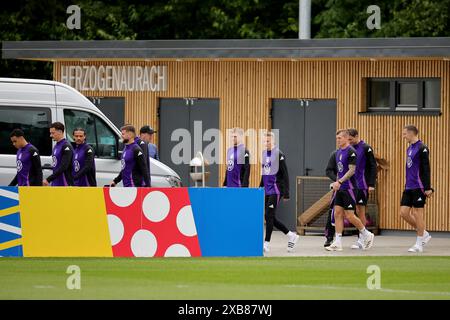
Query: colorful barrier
(130, 222)
(10, 227)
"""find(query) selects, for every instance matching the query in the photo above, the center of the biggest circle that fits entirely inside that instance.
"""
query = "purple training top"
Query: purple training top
(361, 162)
(413, 163)
(270, 166)
(61, 179)
(128, 163)
(344, 158)
(235, 162)
(79, 161)
(23, 160)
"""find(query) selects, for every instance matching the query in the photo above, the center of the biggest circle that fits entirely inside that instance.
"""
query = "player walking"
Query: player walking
(365, 175)
(345, 159)
(275, 181)
(418, 186)
(29, 170)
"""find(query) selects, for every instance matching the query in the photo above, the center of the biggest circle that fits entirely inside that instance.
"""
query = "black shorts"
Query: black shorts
(415, 198)
(345, 199)
(361, 196)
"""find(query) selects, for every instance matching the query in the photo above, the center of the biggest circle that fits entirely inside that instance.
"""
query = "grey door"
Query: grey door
(113, 108)
(188, 114)
(307, 137)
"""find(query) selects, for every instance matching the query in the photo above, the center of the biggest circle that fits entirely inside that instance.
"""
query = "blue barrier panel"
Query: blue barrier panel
(10, 226)
(229, 221)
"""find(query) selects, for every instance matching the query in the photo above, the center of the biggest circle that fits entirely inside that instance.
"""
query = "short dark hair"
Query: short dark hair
(344, 131)
(17, 133)
(412, 128)
(129, 128)
(79, 129)
(147, 129)
(353, 132)
(57, 126)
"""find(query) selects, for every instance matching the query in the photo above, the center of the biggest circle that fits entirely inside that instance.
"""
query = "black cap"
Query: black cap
(147, 129)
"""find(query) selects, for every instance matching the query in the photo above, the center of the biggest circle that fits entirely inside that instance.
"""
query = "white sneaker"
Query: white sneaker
(292, 241)
(368, 240)
(426, 238)
(266, 247)
(334, 247)
(358, 244)
(416, 248)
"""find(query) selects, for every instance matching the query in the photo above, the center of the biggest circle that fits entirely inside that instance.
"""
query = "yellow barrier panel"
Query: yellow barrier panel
(57, 222)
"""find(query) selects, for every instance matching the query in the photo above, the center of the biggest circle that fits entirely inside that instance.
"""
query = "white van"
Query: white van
(33, 105)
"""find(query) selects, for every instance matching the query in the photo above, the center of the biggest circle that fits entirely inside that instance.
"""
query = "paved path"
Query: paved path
(385, 245)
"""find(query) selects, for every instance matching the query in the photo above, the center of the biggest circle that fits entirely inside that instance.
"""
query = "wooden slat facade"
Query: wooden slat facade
(245, 90)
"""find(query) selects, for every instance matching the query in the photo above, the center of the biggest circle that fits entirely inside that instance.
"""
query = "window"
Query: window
(432, 94)
(98, 134)
(408, 95)
(404, 95)
(380, 95)
(79, 119)
(106, 140)
(33, 121)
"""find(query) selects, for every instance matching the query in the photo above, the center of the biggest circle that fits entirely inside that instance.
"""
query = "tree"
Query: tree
(399, 18)
(209, 19)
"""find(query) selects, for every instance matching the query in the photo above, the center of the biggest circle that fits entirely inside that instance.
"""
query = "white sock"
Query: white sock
(419, 241)
(266, 243)
(364, 232)
(338, 238)
(290, 234)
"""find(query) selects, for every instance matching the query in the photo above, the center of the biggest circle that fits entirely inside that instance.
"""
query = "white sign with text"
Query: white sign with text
(115, 78)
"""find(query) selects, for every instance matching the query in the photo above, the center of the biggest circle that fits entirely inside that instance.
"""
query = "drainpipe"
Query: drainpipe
(304, 22)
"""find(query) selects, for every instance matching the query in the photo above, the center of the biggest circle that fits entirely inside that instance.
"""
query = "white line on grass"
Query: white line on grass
(442, 293)
(43, 287)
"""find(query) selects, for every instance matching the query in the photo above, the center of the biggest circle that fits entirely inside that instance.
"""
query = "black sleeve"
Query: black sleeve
(261, 183)
(371, 167)
(13, 182)
(118, 178)
(89, 160)
(352, 157)
(144, 147)
(425, 170)
(65, 163)
(284, 176)
(139, 157)
(36, 168)
(245, 171)
(331, 171)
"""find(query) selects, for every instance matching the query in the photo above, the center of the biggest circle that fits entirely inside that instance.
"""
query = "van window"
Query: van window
(98, 134)
(78, 119)
(33, 121)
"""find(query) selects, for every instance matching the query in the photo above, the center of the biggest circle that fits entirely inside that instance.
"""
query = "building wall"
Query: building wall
(245, 90)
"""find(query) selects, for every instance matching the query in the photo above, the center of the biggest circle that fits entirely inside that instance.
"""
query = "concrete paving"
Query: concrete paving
(384, 245)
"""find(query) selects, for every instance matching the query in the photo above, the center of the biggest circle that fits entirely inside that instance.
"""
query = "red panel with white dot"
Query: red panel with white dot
(151, 222)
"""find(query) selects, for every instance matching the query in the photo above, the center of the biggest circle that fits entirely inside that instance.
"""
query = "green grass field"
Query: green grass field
(416, 277)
